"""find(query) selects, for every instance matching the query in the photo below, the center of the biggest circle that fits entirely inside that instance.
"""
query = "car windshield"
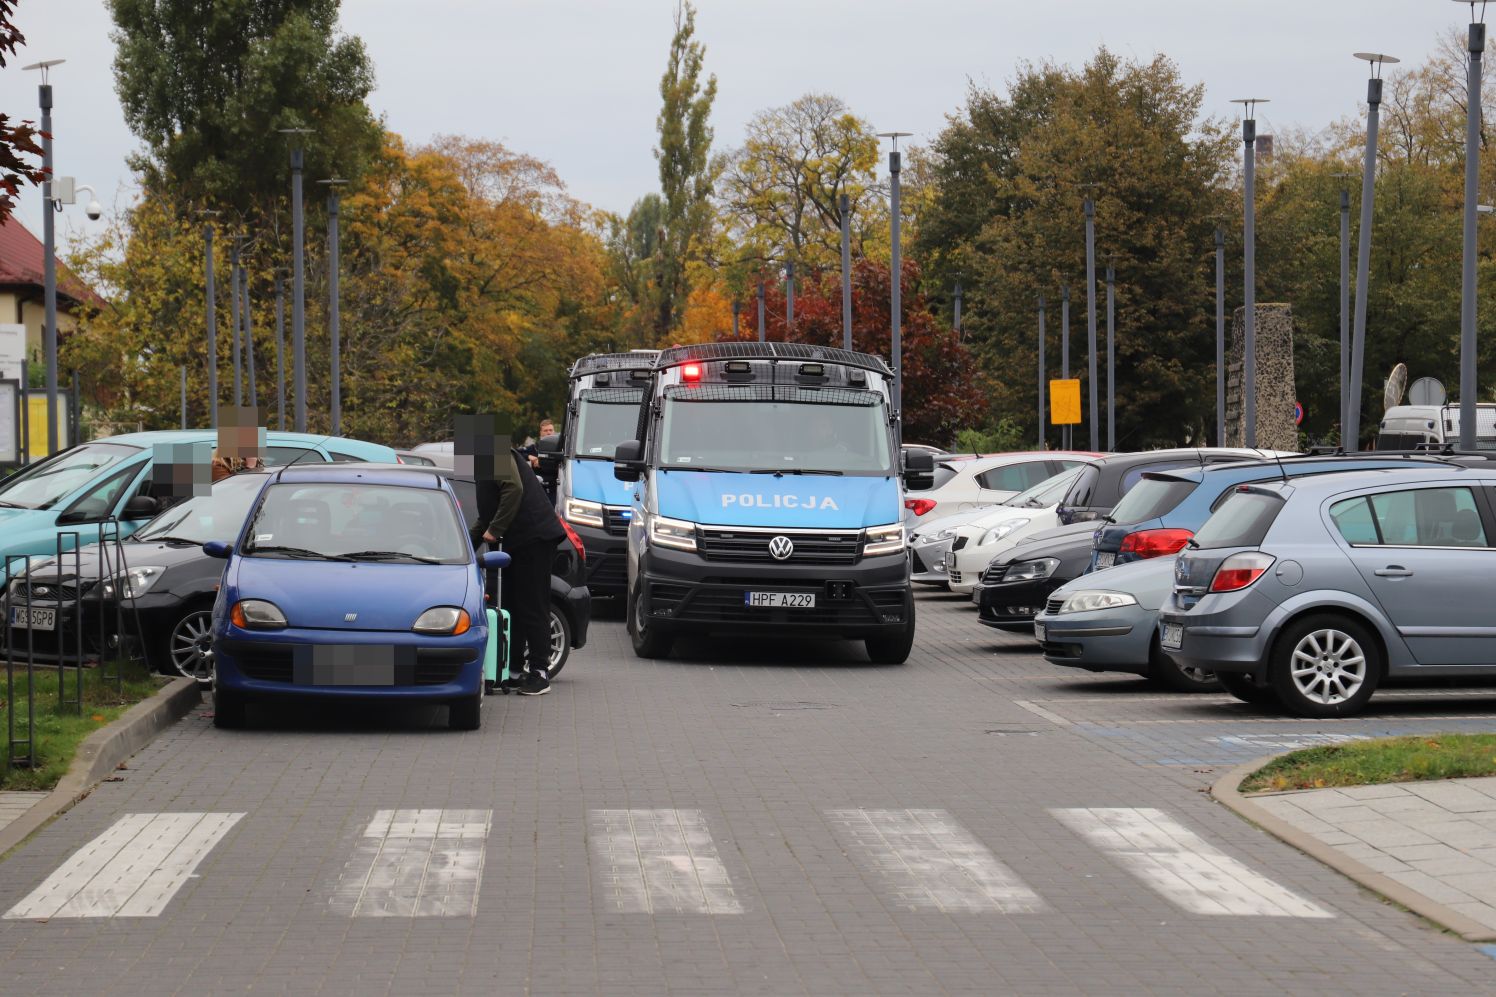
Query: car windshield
(42, 485)
(1151, 498)
(775, 429)
(354, 520)
(1047, 492)
(607, 417)
(218, 516)
(1243, 521)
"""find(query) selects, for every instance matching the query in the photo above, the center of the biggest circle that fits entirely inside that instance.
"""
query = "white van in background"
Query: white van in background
(1407, 427)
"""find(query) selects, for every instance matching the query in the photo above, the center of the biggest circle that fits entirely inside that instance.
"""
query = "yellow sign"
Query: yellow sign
(1064, 402)
(36, 427)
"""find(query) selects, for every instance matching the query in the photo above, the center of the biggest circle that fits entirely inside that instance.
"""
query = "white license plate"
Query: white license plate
(1105, 560)
(1039, 632)
(41, 619)
(1172, 636)
(780, 600)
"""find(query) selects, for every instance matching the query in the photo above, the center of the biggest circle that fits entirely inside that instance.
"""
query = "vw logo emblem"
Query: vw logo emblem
(780, 548)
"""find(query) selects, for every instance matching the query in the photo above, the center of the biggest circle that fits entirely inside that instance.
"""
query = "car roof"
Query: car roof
(210, 436)
(408, 475)
(1178, 453)
(1293, 468)
(1351, 480)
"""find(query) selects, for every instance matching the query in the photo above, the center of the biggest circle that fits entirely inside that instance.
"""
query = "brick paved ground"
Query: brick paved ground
(743, 818)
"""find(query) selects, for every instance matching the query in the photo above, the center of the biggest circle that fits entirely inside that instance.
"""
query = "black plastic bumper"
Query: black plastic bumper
(1012, 605)
(607, 560)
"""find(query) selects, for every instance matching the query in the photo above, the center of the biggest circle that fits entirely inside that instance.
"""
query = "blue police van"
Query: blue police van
(767, 487)
(602, 410)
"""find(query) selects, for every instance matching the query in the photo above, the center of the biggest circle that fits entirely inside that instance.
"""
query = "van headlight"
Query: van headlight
(1087, 602)
(447, 620)
(676, 533)
(1001, 530)
(584, 513)
(883, 540)
(133, 583)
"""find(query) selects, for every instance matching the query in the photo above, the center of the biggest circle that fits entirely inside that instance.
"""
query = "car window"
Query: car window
(281, 456)
(338, 457)
(215, 516)
(943, 473)
(1046, 493)
(1082, 488)
(99, 501)
(1015, 477)
(1243, 521)
(1355, 522)
(1427, 517)
(43, 484)
(1152, 498)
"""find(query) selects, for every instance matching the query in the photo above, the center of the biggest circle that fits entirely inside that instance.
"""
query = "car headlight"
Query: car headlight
(134, 582)
(675, 533)
(447, 620)
(1027, 571)
(257, 614)
(1001, 530)
(883, 540)
(936, 537)
(584, 513)
(1086, 602)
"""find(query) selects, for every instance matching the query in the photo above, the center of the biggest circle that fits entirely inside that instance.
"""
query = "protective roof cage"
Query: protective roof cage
(598, 362)
(856, 397)
(677, 355)
(614, 396)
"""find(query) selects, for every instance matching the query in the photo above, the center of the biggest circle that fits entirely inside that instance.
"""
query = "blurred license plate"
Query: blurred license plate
(780, 600)
(1172, 636)
(41, 619)
(1039, 632)
(1105, 560)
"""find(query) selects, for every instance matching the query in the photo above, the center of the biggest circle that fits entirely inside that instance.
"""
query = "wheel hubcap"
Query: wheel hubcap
(1328, 666)
(192, 647)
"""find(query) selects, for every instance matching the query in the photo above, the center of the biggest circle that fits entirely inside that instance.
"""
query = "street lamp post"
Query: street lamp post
(789, 297)
(49, 253)
(1249, 277)
(761, 336)
(334, 314)
(212, 323)
(298, 281)
(1043, 436)
(737, 306)
(1065, 433)
(280, 349)
(956, 312)
(896, 276)
(1220, 337)
(184, 396)
(845, 204)
(1345, 306)
(1352, 429)
(1111, 360)
(1468, 388)
(249, 338)
(235, 242)
(1090, 212)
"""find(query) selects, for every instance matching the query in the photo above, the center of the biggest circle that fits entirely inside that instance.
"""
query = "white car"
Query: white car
(975, 543)
(928, 545)
(966, 483)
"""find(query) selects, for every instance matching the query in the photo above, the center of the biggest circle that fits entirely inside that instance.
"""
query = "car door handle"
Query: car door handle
(1394, 571)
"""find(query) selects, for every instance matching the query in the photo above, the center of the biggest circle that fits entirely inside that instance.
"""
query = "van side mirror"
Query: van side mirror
(219, 549)
(548, 445)
(627, 462)
(548, 449)
(919, 469)
(140, 507)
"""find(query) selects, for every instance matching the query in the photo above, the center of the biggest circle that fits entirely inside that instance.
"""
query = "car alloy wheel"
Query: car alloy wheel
(560, 640)
(191, 646)
(1328, 666)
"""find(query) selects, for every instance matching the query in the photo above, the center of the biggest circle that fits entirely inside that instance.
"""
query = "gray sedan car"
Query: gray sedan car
(1107, 621)
(1313, 592)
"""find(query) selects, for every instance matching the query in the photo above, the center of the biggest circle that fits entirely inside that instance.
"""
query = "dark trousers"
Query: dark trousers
(527, 595)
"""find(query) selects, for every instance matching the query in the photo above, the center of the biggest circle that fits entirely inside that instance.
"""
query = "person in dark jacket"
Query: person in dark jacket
(514, 513)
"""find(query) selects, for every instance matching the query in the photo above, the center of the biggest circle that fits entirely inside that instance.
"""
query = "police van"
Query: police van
(768, 490)
(602, 409)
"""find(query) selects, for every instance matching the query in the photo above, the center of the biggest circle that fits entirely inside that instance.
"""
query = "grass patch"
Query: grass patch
(59, 730)
(1367, 763)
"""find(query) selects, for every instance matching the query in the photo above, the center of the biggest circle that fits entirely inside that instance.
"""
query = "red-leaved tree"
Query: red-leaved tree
(942, 389)
(17, 139)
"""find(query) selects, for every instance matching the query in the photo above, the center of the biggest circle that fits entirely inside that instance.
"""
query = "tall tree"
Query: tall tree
(17, 139)
(684, 158)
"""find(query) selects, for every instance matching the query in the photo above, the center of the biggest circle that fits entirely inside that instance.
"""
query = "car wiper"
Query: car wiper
(295, 552)
(386, 555)
(12, 505)
(796, 470)
(169, 540)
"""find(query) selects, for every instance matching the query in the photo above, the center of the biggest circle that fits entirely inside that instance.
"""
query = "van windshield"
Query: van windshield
(42, 485)
(606, 417)
(779, 428)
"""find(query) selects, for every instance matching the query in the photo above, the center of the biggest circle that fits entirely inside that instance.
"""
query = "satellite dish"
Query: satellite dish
(1397, 383)
(1427, 391)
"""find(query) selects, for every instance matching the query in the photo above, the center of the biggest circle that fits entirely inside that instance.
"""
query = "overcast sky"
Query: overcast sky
(575, 82)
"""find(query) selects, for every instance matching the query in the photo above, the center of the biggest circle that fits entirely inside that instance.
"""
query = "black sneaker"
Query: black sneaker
(534, 684)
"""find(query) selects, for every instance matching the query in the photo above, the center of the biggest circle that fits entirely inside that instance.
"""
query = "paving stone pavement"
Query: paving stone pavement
(745, 817)
(14, 804)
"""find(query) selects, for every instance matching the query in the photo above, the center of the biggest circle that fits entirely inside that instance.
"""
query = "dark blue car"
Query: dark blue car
(351, 583)
(1162, 512)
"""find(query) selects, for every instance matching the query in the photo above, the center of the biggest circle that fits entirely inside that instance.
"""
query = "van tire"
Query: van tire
(892, 649)
(648, 641)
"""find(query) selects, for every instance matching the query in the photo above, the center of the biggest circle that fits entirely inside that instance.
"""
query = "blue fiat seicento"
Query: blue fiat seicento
(352, 582)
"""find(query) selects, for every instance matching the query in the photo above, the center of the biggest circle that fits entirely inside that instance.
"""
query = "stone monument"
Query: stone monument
(1276, 396)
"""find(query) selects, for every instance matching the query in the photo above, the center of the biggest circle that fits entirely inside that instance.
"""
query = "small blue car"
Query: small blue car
(352, 582)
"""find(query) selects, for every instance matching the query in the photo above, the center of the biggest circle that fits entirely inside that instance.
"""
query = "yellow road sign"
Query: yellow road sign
(1064, 402)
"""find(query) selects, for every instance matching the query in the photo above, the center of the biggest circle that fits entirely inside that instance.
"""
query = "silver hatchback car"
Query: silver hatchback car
(1312, 592)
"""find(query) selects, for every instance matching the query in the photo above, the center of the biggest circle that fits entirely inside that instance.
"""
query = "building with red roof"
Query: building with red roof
(21, 287)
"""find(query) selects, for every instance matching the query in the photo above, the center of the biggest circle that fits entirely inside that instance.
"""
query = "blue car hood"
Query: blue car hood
(730, 498)
(28, 531)
(319, 595)
(593, 480)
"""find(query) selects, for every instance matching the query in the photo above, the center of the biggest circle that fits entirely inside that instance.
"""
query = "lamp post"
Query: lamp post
(298, 279)
(334, 314)
(1220, 337)
(235, 243)
(249, 338)
(761, 312)
(1352, 429)
(789, 297)
(1249, 277)
(280, 348)
(1089, 209)
(896, 276)
(1476, 43)
(737, 306)
(49, 252)
(211, 322)
(956, 311)
(1043, 436)
(1111, 360)
(1345, 306)
(845, 204)
(1065, 434)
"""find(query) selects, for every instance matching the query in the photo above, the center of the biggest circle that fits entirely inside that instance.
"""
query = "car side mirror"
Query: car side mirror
(627, 462)
(548, 445)
(919, 470)
(140, 507)
(493, 560)
(218, 548)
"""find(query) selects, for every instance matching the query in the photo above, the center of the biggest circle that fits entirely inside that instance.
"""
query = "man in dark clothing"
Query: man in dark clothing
(513, 511)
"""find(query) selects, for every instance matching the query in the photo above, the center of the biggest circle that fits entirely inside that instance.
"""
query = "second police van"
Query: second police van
(767, 491)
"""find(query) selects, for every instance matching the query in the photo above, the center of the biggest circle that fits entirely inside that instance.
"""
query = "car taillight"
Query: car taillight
(1239, 571)
(919, 506)
(576, 541)
(1155, 543)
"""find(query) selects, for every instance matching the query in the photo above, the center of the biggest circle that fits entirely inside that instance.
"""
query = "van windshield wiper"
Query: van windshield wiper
(696, 467)
(796, 470)
(387, 555)
(295, 552)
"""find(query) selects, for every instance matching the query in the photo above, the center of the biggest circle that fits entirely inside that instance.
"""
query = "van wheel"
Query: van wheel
(465, 714)
(560, 640)
(1325, 666)
(228, 710)
(892, 649)
(648, 641)
(1165, 671)
(1246, 689)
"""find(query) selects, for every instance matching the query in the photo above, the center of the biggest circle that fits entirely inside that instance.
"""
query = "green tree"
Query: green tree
(685, 173)
(634, 260)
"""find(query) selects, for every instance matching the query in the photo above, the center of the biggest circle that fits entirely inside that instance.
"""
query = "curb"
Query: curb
(101, 753)
(1225, 790)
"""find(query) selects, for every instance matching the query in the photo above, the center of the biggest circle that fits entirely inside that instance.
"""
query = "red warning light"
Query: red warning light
(691, 372)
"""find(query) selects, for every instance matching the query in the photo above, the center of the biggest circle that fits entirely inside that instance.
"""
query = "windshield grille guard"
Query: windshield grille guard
(613, 396)
(849, 397)
(677, 355)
